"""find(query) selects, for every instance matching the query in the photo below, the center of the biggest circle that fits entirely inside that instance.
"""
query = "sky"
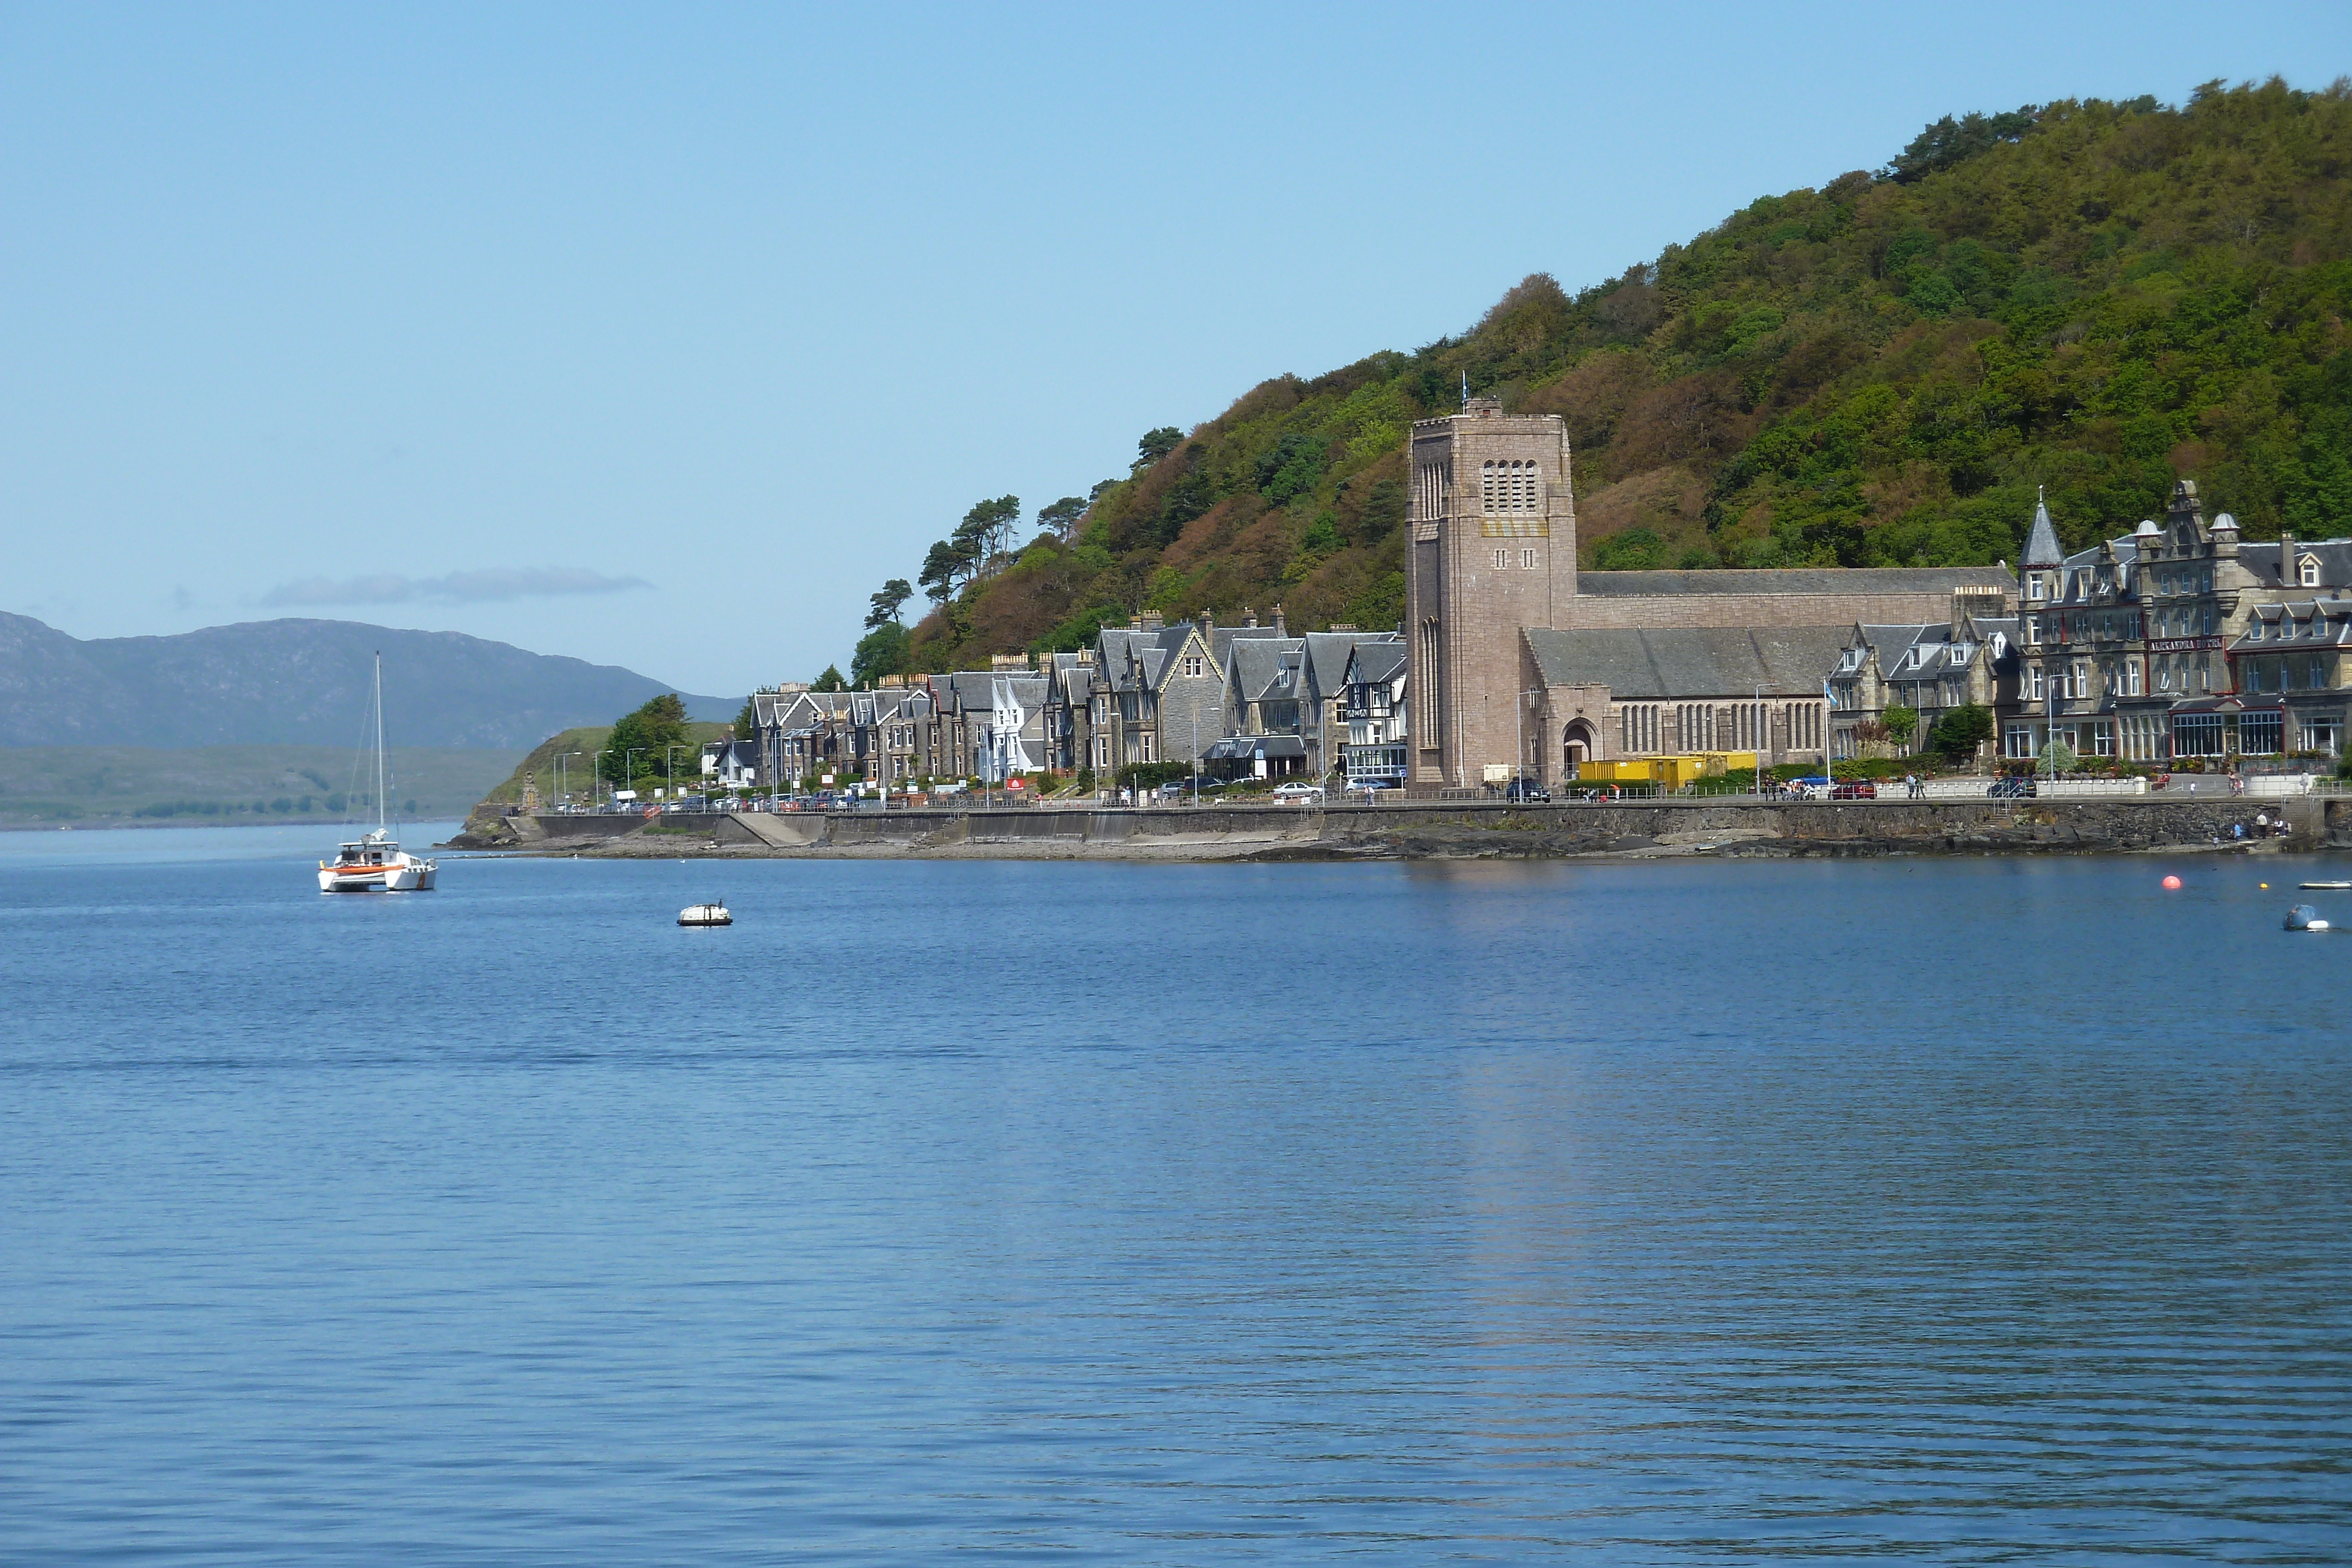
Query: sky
(662, 336)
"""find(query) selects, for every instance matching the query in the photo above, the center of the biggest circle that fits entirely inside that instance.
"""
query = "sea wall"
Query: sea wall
(1470, 829)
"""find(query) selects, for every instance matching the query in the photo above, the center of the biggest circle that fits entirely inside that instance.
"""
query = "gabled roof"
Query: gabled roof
(1262, 669)
(1328, 652)
(1689, 661)
(1373, 661)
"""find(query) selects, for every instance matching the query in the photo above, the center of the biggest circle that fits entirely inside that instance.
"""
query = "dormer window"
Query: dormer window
(2309, 570)
(1960, 651)
(2254, 632)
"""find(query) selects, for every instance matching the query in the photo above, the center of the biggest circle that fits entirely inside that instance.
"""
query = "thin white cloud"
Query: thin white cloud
(461, 587)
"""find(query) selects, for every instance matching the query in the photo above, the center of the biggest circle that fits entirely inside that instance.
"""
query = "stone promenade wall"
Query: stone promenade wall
(1479, 830)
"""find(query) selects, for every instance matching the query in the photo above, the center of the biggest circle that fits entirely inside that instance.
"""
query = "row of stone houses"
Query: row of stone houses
(1246, 698)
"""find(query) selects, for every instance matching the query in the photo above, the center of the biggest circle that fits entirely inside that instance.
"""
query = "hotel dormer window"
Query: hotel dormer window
(2309, 570)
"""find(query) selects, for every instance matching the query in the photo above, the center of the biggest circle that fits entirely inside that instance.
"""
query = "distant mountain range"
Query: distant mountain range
(305, 683)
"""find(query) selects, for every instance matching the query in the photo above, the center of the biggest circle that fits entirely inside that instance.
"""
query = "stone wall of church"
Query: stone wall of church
(1651, 611)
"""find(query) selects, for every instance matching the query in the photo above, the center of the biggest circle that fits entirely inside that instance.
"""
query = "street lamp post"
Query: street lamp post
(596, 770)
(1756, 732)
(669, 765)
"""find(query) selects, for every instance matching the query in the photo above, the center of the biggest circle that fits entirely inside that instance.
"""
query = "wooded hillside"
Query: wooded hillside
(2088, 296)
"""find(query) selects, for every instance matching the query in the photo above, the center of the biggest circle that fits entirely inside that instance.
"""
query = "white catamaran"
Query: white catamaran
(375, 863)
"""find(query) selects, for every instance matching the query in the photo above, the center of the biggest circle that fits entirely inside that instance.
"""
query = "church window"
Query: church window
(1425, 699)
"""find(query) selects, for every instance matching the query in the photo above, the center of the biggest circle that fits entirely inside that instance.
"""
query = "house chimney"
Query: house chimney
(1149, 622)
(1249, 616)
(1280, 630)
(2288, 576)
(1206, 619)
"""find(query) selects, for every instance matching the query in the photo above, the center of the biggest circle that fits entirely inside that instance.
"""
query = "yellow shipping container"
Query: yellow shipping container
(1672, 772)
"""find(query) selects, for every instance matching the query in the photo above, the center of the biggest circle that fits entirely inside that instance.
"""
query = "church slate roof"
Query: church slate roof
(1799, 579)
(1670, 662)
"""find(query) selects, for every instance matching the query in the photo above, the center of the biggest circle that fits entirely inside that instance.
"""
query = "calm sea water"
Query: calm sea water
(1966, 1211)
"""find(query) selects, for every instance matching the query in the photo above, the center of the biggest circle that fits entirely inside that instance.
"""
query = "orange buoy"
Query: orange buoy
(2171, 884)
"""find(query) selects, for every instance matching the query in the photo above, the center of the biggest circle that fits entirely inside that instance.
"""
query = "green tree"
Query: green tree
(883, 608)
(1958, 733)
(1061, 518)
(830, 681)
(747, 721)
(1901, 723)
(881, 652)
(648, 732)
(938, 574)
(1155, 446)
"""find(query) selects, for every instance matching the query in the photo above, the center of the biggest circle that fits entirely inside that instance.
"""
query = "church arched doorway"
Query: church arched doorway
(1576, 745)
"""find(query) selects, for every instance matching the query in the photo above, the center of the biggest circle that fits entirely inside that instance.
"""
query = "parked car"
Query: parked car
(1298, 793)
(1854, 790)
(1527, 789)
(1371, 787)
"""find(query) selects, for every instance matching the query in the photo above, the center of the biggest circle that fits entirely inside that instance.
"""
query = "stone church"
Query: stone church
(1519, 659)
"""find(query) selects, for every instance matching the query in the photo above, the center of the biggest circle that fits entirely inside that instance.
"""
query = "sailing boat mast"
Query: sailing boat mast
(379, 741)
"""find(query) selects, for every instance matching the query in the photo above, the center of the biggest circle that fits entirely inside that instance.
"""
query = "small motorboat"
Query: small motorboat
(705, 915)
(2304, 917)
(2329, 886)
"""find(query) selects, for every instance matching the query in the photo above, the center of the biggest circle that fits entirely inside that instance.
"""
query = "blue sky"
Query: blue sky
(662, 336)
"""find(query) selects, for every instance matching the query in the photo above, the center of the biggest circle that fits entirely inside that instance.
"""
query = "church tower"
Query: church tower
(1494, 550)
